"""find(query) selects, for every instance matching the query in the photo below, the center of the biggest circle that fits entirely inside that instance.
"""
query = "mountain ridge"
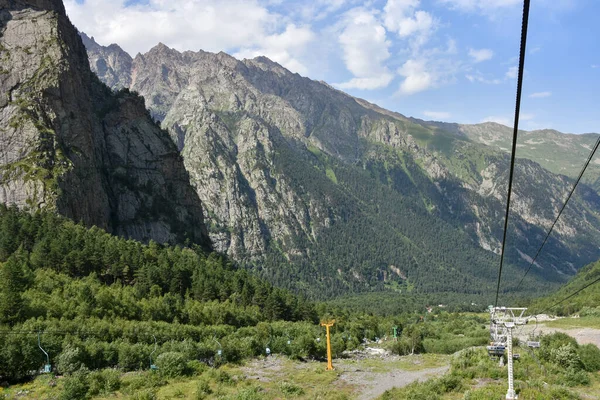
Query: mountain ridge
(246, 114)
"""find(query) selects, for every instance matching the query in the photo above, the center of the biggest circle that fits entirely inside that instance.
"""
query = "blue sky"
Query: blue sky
(449, 60)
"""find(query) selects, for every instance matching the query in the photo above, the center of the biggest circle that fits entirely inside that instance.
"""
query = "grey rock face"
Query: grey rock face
(68, 144)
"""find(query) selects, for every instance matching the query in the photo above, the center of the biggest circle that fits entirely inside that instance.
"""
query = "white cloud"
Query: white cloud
(481, 55)
(479, 77)
(184, 24)
(512, 72)
(526, 117)
(282, 47)
(523, 117)
(534, 50)
(402, 17)
(539, 95)
(374, 82)
(417, 78)
(438, 115)
(365, 50)
(429, 68)
(317, 10)
(211, 25)
(482, 6)
(499, 120)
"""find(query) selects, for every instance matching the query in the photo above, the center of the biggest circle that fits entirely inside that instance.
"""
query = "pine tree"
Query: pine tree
(15, 276)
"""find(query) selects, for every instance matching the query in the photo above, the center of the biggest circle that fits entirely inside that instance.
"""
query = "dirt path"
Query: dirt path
(373, 384)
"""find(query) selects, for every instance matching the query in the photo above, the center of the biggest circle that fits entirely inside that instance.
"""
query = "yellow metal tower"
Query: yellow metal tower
(328, 324)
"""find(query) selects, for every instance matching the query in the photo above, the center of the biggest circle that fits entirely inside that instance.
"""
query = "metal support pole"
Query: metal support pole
(510, 394)
(152, 366)
(327, 325)
(47, 367)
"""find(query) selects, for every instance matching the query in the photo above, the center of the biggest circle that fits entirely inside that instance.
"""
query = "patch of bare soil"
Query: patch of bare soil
(372, 382)
(264, 369)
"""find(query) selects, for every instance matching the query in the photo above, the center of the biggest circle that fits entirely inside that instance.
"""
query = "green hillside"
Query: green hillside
(587, 302)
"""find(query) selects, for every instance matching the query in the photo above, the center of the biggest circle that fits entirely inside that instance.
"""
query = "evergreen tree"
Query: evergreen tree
(15, 276)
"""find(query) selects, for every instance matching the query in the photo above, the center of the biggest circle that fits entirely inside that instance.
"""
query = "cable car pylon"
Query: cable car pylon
(502, 322)
(327, 325)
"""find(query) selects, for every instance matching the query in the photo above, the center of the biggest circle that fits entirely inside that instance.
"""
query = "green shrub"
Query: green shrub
(133, 357)
(104, 382)
(195, 367)
(18, 356)
(590, 312)
(171, 364)
(144, 380)
(290, 389)
(203, 389)
(562, 394)
(252, 393)
(548, 343)
(146, 394)
(76, 386)
(575, 377)
(353, 343)
(223, 377)
(590, 357)
(566, 356)
(71, 359)
(450, 383)
(486, 393)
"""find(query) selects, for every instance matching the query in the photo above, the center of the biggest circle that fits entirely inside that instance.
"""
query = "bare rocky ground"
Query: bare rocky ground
(368, 373)
(374, 384)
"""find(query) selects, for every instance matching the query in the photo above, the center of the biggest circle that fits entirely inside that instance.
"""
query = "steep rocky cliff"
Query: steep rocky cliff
(68, 143)
(320, 190)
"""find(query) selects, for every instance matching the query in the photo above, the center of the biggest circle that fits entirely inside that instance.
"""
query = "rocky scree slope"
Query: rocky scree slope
(328, 193)
(69, 144)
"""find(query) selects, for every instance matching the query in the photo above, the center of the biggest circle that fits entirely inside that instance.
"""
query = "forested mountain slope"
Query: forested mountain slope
(100, 300)
(69, 144)
(344, 195)
(586, 302)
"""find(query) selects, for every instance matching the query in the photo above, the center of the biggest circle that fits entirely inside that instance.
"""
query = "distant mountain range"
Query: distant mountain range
(326, 193)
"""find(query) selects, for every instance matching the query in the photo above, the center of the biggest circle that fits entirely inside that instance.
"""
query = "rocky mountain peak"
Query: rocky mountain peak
(89, 42)
(267, 64)
(162, 48)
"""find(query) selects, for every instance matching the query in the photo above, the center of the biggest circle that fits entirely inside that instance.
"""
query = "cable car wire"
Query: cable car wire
(589, 159)
(524, 25)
